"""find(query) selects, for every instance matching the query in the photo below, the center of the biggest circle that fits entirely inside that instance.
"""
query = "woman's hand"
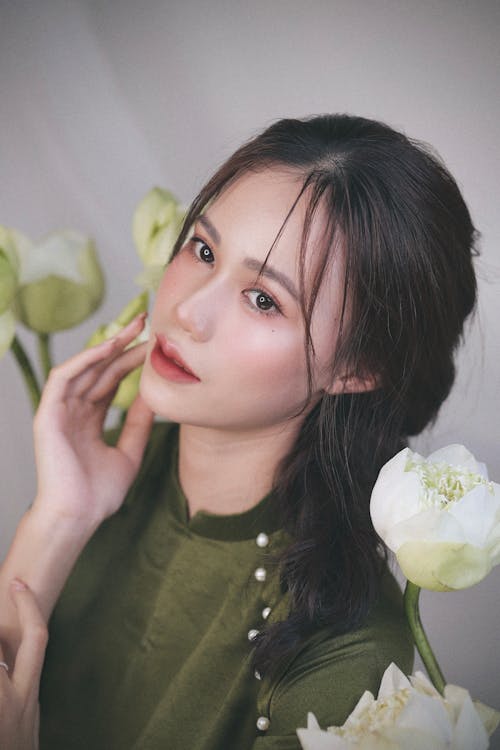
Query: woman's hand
(80, 478)
(19, 686)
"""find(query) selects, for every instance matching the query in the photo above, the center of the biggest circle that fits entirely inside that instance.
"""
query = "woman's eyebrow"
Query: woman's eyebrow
(256, 265)
(212, 231)
(252, 263)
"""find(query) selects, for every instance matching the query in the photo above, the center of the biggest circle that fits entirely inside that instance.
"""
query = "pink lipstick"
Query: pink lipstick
(168, 363)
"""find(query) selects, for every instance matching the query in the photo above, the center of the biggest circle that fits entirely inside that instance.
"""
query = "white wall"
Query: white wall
(101, 100)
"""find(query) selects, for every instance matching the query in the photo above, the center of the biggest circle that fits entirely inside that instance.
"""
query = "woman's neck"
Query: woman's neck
(226, 472)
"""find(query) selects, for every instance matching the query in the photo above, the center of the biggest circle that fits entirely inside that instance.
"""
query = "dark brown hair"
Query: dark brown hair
(409, 284)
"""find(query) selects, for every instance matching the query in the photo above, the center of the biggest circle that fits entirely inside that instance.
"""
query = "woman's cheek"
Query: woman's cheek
(269, 356)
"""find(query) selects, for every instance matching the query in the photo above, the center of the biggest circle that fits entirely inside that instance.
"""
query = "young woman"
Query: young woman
(229, 580)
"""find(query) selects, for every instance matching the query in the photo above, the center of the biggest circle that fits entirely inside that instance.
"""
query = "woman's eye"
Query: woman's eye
(263, 302)
(201, 250)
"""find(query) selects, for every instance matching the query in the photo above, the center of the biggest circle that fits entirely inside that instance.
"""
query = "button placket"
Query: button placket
(260, 574)
(261, 541)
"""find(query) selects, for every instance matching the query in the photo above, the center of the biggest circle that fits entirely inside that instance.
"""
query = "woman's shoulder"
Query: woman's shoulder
(330, 672)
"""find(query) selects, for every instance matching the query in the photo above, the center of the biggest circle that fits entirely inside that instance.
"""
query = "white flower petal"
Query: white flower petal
(423, 711)
(316, 739)
(393, 680)
(56, 255)
(416, 738)
(443, 566)
(482, 469)
(477, 512)
(469, 731)
(455, 455)
(423, 685)
(490, 717)
(395, 495)
(312, 722)
(428, 526)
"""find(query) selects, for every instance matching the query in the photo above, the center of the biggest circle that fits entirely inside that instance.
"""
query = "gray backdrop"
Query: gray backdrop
(102, 100)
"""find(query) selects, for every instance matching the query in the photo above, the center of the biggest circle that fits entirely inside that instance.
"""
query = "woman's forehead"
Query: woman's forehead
(267, 209)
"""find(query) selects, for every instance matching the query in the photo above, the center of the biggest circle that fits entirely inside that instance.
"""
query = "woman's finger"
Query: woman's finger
(81, 385)
(4, 667)
(31, 652)
(61, 376)
(136, 430)
(84, 381)
(113, 374)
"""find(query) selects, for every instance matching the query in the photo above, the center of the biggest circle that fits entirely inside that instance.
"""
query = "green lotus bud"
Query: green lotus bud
(9, 267)
(10, 240)
(129, 386)
(156, 225)
(8, 281)
(7, 331)
(61, 282)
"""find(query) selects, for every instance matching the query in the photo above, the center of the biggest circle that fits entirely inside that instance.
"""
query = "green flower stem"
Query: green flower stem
(44, 353)
(28, 373)
(411, 595)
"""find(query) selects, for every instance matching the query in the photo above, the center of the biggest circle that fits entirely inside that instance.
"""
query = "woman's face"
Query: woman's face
(242, 336)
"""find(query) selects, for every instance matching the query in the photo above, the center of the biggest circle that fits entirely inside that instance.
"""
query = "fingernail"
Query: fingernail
(137, 319)
(18, 585)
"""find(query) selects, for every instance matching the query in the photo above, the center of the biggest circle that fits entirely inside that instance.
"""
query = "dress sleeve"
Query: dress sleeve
(329, 676)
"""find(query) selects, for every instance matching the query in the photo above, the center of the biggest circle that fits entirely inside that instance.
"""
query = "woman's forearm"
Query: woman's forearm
(43, 553)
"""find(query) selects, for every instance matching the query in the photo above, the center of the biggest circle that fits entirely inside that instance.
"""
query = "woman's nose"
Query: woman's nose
(196, 314)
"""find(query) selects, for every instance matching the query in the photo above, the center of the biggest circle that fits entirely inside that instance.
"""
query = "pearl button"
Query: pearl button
(260, 574)
(262, 723)
(258, 675)
(252, 634)
(262, 540)
(266, 612)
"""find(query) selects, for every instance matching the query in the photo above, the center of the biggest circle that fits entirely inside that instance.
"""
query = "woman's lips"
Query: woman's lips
(168, 363)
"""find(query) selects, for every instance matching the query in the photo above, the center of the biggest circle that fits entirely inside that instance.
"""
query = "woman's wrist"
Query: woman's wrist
(43, 552)
(43, 519)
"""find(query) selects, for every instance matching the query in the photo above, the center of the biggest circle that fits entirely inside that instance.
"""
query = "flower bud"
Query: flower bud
(440, 516)
(8, 281)
(10, 239)
(7, 331)
(61, 282)
(156, 225)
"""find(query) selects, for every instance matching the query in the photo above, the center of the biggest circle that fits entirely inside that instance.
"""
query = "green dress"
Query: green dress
(150, 642)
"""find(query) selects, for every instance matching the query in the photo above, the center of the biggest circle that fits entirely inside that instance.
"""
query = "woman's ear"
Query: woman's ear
(353, 384)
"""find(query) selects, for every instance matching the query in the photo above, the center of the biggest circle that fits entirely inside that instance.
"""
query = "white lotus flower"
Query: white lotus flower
(440, 516)
(408, 714)
(60, 281)
(156, 225)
